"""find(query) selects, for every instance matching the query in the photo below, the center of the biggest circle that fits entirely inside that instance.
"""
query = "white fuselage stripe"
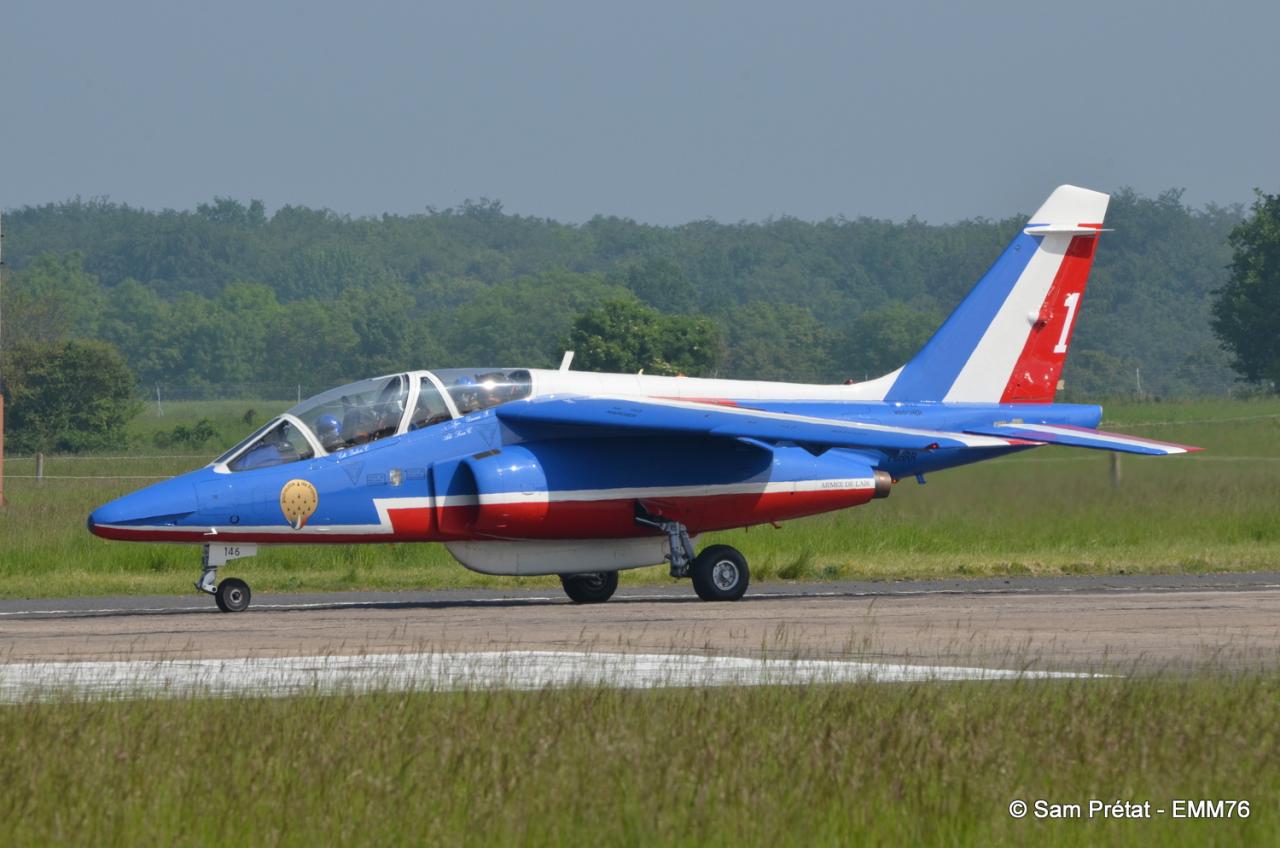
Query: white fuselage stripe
(791, 487)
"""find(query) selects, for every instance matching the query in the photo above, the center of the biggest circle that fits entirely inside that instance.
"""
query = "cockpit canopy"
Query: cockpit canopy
(368, 410)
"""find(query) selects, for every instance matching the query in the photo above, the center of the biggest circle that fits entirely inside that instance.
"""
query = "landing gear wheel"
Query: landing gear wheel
(233, 595)
(593, 588)
(720, 573)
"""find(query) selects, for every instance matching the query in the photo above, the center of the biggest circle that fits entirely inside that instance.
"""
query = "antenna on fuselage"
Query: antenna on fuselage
(566, 360)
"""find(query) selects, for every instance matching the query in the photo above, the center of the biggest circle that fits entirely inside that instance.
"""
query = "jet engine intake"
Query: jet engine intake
(511, 491)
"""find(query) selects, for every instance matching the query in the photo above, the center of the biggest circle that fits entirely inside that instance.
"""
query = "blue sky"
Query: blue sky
(663, 112)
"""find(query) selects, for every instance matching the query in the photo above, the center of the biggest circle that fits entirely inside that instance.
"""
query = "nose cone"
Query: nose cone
(161, 505)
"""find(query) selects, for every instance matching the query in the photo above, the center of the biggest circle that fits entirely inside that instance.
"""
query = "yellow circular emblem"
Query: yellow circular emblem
(298, 502)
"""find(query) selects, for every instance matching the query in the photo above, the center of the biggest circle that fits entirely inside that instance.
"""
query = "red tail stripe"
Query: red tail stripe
(1035, 376)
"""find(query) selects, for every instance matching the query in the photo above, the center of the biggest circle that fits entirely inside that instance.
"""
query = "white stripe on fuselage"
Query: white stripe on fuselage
(640, 492)
(646, 386)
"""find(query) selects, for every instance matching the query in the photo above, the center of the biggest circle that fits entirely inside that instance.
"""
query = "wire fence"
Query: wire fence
(40, 476)
(119, 466)
(1172, 423)
(285, 392)
(64, 457)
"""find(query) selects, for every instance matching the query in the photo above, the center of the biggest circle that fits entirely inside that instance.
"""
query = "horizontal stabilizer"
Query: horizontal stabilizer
(605, 417)
(1082, 437)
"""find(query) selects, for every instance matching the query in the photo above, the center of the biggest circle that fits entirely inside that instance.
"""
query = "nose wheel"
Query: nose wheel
(232, 595)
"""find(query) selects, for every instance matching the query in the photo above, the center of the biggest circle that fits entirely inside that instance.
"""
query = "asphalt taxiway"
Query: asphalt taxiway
(1125, 624)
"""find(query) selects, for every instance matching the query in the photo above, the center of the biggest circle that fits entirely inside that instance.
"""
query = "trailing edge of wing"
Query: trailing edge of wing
(1083, 437)
(610, 416)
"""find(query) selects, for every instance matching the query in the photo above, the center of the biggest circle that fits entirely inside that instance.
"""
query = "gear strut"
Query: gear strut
(678, 541)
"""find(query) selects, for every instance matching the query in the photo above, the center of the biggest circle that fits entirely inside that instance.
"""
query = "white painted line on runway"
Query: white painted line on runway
(442, 672)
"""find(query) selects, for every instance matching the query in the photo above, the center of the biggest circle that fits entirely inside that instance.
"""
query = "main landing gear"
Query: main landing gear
(232, 594)
(719, 573)
(593, 588)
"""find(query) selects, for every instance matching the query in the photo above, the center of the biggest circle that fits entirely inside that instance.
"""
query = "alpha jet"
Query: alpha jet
(521, 471)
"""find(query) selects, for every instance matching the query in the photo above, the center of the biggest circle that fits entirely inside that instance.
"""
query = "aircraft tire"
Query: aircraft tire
(720, 573)
(233, 595)
(593, 588)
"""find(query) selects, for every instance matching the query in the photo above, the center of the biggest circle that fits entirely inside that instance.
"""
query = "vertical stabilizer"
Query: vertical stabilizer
(1008, 339)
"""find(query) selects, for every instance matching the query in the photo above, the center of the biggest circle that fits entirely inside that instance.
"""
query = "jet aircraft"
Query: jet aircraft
(522, 471)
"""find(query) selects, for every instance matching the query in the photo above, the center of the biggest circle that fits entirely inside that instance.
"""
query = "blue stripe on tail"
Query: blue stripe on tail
(930, 375)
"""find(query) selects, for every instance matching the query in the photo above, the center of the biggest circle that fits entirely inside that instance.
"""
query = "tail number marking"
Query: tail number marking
(1070, 303)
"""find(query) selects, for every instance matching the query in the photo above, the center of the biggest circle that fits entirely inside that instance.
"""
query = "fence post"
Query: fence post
(2, 502)
(40, 468)
(1115, 470)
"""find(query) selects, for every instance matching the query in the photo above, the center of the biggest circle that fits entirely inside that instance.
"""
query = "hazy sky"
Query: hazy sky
(663, 112)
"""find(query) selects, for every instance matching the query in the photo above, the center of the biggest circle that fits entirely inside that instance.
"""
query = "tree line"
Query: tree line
(228, 294)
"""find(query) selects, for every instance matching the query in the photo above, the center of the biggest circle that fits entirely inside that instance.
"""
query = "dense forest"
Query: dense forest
(227, 296)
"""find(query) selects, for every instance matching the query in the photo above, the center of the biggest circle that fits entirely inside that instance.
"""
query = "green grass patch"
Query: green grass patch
(899, 764)
(1048, 511)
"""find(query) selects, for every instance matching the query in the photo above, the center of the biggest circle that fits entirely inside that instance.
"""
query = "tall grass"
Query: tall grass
(839, 764)
(1050, 511)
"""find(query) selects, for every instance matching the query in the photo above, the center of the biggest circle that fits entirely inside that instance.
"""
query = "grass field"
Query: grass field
(1051, 511)
(893, 764)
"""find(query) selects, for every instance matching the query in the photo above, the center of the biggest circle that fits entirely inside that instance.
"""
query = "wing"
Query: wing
(606, 416)
(1082, 437)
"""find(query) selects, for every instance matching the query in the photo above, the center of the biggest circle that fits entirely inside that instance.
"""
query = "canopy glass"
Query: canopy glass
(368, 410)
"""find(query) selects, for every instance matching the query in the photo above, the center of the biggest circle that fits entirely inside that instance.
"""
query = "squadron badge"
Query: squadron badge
(298, 502)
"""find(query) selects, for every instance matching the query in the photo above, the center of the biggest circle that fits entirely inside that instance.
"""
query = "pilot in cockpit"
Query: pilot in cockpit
(467, 395)
(330, 432)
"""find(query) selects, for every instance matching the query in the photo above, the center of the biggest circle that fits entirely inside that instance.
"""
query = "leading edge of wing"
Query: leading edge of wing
(619, 415)
(1083, 437)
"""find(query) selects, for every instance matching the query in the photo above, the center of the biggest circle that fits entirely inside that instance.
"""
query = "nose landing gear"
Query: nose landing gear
(232, 594)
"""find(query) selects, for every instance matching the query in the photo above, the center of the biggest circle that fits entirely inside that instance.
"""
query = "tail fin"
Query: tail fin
(1007, 340)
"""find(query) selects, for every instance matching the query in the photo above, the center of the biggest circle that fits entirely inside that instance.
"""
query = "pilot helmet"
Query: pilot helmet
(327, 425)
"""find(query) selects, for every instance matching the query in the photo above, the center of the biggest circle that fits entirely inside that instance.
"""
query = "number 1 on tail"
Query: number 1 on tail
(1070, 304)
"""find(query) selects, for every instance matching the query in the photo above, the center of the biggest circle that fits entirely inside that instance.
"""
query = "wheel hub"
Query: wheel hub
(724, 574)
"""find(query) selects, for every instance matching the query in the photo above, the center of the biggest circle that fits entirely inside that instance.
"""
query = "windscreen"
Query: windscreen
(277, 445)
(356, 413)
